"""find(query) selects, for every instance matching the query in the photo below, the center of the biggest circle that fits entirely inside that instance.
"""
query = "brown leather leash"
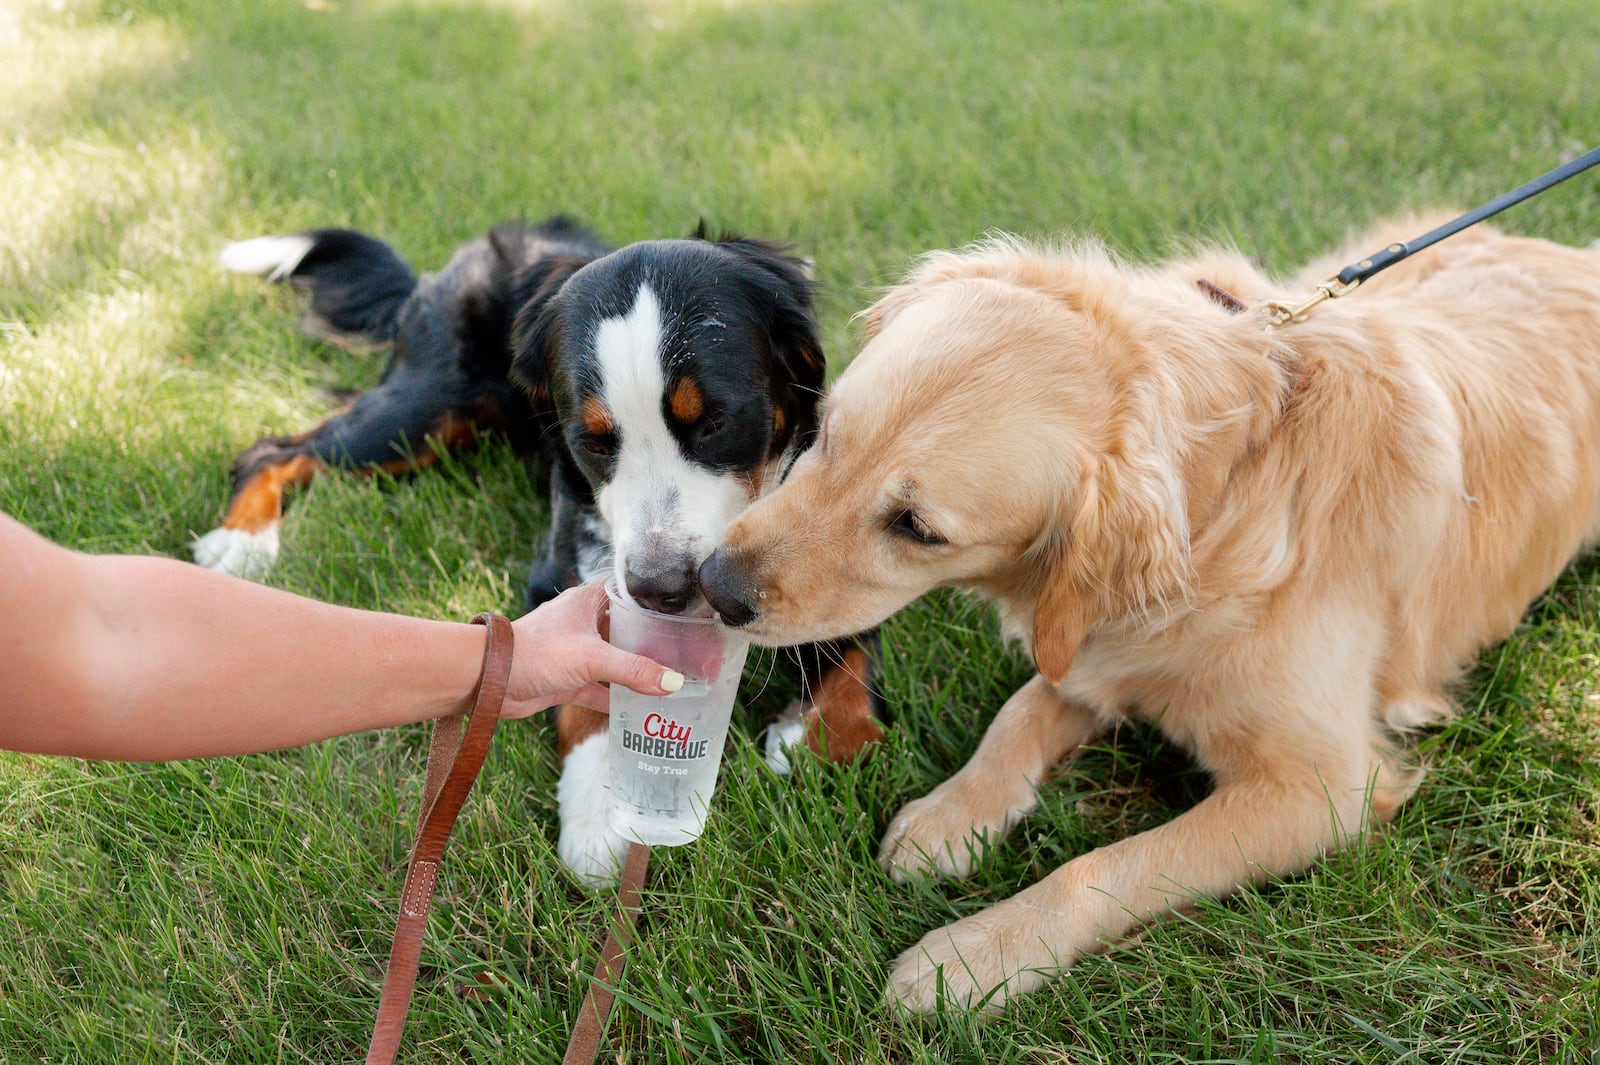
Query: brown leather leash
(454, 760)
(584, 1046)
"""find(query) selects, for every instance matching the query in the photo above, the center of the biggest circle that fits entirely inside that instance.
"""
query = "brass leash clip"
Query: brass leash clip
(1280, 313)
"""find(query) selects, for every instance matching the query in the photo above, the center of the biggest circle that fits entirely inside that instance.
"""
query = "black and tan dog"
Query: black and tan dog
(660, 387)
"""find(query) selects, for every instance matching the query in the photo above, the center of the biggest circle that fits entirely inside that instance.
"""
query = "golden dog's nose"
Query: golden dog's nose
(727, 585)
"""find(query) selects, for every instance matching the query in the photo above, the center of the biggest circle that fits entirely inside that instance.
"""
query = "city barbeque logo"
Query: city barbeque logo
(663, 738)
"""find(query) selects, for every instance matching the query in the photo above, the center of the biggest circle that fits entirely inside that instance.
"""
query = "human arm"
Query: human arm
(142, 658)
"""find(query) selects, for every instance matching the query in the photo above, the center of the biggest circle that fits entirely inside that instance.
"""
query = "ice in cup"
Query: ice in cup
(665, 750)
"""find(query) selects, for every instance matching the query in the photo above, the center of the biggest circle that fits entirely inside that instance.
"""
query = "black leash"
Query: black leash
(1350, 277)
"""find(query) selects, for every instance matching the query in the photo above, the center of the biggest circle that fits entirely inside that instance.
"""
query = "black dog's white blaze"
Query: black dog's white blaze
(666, 512)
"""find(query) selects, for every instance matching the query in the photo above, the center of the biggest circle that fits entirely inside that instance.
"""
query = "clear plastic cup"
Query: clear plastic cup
(665, 750)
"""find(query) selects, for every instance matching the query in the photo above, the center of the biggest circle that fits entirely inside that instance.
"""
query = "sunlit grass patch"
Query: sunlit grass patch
(237, 910)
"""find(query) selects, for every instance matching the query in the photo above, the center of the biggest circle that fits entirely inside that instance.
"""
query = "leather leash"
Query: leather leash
(584, 1046)
(1350, 278)
(453, 764)
(1280, 313)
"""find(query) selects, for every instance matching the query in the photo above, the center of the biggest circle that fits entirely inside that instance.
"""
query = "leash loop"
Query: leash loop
(454, 760)
(453, 763)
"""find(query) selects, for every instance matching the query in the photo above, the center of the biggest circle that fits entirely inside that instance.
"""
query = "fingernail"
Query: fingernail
(671, 680)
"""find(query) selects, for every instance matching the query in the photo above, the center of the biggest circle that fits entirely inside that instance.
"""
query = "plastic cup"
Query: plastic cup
(665, 750)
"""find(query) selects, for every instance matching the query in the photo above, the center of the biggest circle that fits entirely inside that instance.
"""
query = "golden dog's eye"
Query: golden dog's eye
(909, 524)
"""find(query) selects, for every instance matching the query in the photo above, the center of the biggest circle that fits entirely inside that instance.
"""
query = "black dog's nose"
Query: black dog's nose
(728, 588)
(668, 591)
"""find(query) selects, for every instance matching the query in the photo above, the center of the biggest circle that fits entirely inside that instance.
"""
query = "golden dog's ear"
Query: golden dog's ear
(1143, 534)
(1060, 622)
(1132, 530)
(1126, 548)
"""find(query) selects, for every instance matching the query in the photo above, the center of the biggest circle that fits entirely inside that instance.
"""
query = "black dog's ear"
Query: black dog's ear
(509, 241)
(793, 326)
(537, 329)
(520, 245)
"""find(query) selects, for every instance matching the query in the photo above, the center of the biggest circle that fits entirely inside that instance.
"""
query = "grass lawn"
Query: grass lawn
(238, 910)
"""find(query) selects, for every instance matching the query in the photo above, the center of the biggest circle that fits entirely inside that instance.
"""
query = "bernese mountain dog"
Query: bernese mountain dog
(659, 389)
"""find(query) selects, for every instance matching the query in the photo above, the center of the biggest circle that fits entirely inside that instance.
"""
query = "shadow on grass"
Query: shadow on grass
(870, 132)
(902, 128)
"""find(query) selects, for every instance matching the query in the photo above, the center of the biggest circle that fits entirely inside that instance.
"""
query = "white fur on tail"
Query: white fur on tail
(589, 846)
(238, 553)
(271, 257)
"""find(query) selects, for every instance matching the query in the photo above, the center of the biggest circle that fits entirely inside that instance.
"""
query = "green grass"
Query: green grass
(237, 911)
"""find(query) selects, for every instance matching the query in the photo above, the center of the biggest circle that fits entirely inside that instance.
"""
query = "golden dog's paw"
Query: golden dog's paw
(977, 963)
(942, 834)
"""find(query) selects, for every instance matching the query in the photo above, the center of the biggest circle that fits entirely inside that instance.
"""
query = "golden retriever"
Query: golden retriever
(1280, 546)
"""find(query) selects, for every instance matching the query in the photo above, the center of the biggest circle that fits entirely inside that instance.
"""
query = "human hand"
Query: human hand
(562, 657)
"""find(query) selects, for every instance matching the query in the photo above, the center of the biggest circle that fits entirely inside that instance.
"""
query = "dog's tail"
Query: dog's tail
(357, 283)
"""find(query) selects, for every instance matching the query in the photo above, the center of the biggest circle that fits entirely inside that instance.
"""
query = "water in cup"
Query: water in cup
(665, 750)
